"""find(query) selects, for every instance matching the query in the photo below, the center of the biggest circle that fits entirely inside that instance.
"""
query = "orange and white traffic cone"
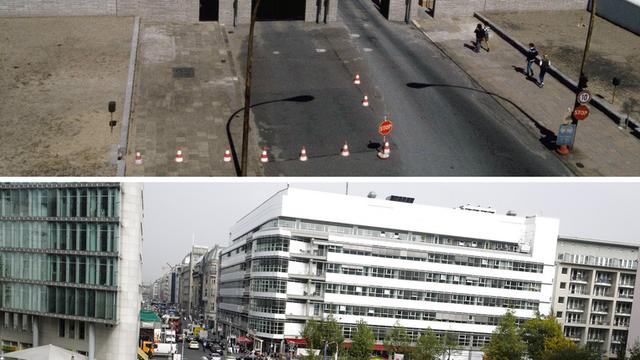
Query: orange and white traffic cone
(263, 156)
(179, 156)
(365, 101)
(227, 155)
(386, 151)
(345, 150)
(356, 80)
(138, 160)
(563, 150)
(303, 154)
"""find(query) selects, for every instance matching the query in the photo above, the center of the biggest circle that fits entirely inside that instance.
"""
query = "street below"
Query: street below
(443, 123)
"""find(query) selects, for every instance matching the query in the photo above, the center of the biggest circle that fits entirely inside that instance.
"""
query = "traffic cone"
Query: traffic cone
(179, 156)
(365, 101)
(356, 80)
(138, 160)
(563, 150)
(345, 150)
(303, 154)
(263, 156)
(386, 151)
(227, 155)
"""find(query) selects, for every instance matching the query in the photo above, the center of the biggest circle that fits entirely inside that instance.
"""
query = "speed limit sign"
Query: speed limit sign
(584, 97)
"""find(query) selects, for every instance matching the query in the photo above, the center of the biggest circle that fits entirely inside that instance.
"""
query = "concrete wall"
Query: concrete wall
(625, 13)
(468, 7)
(57, 7)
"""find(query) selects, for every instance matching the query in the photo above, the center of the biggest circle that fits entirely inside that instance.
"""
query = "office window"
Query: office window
(561, 300)
(61, 328)
(563, 285)
(564, 270)
(558, 314)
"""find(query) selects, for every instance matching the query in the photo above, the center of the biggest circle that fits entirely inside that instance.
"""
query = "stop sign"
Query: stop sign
(580, 112)
(385, 127)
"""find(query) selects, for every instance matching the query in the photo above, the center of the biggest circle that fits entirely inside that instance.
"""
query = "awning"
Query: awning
(378, 347)
(297, 341)
(243, 340)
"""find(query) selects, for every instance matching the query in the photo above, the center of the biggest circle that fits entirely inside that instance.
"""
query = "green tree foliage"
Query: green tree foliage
(362, 342)
(505, 343)
(621, 352)
(572, 353)
(543, 334)
(428, 347)
(396, 340)
(317, 332)
(449, 344)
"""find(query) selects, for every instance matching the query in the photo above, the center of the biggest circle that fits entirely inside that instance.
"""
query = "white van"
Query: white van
(164, 349)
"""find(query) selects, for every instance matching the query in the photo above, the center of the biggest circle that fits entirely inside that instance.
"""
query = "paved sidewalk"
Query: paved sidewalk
(186, 109)
(601, 149)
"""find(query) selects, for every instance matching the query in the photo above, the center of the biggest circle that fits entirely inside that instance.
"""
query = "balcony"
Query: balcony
(626, 284)
(576, 309)
(596, 340)
(603, 282)
(579, 279)
(575, 321)
(600, 311)
(623, 312)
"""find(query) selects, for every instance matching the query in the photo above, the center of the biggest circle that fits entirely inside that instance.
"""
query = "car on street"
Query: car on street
(194, 345)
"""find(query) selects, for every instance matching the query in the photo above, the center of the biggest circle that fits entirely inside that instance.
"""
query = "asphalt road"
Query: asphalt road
(443, 125)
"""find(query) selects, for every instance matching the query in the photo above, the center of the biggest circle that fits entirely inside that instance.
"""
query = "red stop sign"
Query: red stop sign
(580, 112)
(385, 127)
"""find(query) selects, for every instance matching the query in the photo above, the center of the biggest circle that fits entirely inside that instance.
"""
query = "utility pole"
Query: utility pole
(247, 92)
(582, 80)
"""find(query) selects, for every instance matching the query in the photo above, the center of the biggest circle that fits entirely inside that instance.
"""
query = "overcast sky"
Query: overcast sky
(176, 212)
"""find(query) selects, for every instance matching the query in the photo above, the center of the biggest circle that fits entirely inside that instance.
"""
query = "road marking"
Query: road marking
(355, 35)
(321, 50)
(276, 52)
(367, 49)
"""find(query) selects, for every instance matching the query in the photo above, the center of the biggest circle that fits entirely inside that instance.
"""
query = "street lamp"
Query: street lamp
(247, 91)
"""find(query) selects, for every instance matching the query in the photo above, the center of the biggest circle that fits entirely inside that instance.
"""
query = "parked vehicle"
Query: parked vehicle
(164, 349)
(194, 345)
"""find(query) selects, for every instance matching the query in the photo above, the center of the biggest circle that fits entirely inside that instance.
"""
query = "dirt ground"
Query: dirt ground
(57, 76)
(614, 51)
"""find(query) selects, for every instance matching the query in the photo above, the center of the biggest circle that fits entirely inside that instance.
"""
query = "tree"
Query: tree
(621, 352)
(543, 334)
(428, 346)
(572, 353)
(449, 344)
(396, 340)
(634, 352)
(362, 342)
(505, 343)
(317, 332)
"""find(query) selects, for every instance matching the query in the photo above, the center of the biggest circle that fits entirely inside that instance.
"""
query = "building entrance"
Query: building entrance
(209, 10)
(273, 10)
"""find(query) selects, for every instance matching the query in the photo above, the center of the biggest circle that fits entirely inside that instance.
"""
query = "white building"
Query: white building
(304, 254)
(70, 267)
(594, 292)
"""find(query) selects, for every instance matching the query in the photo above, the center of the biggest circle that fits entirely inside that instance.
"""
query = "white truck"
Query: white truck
(170, 336)
(164, 349)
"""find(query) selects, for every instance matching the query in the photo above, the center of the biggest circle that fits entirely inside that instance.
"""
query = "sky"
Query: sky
(175, 214)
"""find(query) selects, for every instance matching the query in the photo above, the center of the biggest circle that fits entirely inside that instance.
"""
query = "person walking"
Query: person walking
(531, 58)
(486, 31)
(479, 32)
(544, 66)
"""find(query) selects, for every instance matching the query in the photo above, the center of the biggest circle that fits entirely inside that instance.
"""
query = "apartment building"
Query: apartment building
(305, 255)
(594, 292)
(70, 267)
(210, 283)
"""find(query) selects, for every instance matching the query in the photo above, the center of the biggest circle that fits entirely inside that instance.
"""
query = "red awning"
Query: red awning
(244, 340)
(297, 341)
(378, 346)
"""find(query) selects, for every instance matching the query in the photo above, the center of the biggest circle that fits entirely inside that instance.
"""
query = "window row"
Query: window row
(87, 270)
(60, 235)
(268, 326)
(56, 300)
(67, 202)
(269, 285)
(598, 260)
(423, 315)
(440, 258)
(433, 277)
(268, 306)
(272, 243)
(238, 284)
(463, 339)
(270, 265)
(432, 296)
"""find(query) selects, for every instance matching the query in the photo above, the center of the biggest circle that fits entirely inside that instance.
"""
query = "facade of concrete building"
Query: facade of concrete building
(594, 292)
(306, 255)
(70, 267)
(189, 281)
(634, 331)
(228, 12)
(210, 287)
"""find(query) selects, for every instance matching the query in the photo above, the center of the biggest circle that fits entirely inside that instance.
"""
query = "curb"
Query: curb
(128, 97)
(604, 107)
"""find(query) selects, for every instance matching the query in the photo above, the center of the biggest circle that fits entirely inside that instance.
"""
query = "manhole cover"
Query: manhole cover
(183, 72)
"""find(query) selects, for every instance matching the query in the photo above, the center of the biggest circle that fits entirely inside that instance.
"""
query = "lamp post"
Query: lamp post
(247, 92)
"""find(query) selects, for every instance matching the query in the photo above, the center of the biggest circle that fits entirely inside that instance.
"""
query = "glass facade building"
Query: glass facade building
(59, 249)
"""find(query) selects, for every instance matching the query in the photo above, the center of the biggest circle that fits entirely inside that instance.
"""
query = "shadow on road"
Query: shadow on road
(234, 154)
(547, 137)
